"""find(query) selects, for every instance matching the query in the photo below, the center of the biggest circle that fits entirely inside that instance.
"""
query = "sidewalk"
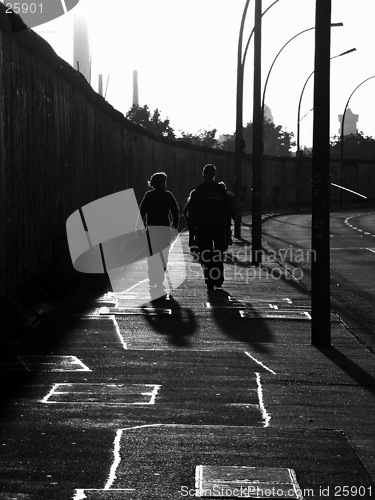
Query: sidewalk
(239, 393)
(327, 388)
(319, 400)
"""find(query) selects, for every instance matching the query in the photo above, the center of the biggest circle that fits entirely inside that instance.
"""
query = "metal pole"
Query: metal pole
(257, 140)
(239, 123)
(320, 266)
(240, 144)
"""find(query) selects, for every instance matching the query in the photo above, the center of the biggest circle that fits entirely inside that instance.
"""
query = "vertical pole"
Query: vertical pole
(257, 140)
(238, 153)
(341, 177)
(239, 124)
(320, 266)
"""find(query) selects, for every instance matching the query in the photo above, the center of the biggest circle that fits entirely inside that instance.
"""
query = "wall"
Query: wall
(62, 145)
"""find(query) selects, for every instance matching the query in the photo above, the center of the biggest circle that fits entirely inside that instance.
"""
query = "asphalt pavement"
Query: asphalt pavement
(207, 394)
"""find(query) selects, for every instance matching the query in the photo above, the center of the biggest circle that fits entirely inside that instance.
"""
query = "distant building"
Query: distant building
(350, 123)
(81, 46)
(268, 113)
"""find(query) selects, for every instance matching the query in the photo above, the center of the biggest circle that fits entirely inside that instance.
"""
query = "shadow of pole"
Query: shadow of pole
(353, 370)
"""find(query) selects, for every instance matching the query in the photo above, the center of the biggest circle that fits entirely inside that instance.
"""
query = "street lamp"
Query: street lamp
(252, 33)
(333, 25)
(239, 143)
(239, 120)
(300, 99)
(342, 136)
(343, 120)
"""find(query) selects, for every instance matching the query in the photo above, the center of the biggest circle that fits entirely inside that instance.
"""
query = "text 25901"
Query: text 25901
(24, 8)
(353, 491)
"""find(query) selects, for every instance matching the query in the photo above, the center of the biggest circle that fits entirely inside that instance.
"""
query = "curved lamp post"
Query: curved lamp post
(252, 33)
(239, 113)
(299, 119)
(342, 134)
(239, 119)
(277, 55)
(343, 119)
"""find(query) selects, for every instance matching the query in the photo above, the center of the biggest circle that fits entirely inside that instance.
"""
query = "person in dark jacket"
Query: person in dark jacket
(159, 211)
(209, 210)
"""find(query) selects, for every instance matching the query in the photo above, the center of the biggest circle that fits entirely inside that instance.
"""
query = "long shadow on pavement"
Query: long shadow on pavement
(358, 374)
(177, 329)
(254, 332)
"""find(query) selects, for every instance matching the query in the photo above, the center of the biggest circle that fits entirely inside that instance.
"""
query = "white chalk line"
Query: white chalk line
(118, 332)
(48, 366)
(116, 452)
(117, 460)
(260, 363)
(52, 391)
(265, 415)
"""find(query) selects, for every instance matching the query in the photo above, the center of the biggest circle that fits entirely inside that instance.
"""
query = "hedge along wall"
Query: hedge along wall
(63, 146)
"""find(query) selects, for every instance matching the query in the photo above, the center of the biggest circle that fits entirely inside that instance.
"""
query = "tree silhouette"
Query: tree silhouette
(152, 122)
(356, 147)
(276, 141)
(204, 138)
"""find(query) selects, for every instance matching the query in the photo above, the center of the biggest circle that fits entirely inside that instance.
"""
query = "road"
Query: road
(352, 242)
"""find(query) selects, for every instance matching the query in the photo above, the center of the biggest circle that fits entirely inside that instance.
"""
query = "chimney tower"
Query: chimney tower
(135, 88)
(81, 46)
(100, 85)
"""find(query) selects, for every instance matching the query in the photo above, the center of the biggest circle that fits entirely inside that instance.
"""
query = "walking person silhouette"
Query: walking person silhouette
(209, 209)
(160, 213)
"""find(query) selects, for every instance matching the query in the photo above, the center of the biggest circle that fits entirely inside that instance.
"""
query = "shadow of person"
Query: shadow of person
(252, 330)
(178, 326)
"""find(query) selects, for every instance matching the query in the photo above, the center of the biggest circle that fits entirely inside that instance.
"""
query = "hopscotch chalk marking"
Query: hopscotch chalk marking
(104, 394)
(80, 493)
(53, 363)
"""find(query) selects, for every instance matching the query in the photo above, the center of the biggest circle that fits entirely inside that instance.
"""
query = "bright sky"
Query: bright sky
(186, 55)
